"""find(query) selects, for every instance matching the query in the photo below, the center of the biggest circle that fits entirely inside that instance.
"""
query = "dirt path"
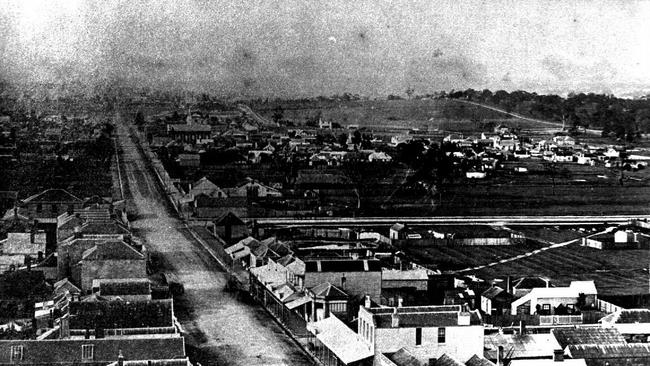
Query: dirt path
(220, 328)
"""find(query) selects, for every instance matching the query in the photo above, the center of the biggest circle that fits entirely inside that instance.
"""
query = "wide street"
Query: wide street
(220, 329)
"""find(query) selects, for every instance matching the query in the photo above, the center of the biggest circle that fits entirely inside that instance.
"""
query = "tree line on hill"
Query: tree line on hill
(617, 117)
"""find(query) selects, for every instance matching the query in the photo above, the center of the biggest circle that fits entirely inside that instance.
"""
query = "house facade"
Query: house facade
(427, 332)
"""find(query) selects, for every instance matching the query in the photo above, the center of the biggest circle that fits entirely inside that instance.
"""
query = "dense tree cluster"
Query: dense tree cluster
(617, 117)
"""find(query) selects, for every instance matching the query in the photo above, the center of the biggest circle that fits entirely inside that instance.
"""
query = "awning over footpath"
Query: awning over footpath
(341, 340)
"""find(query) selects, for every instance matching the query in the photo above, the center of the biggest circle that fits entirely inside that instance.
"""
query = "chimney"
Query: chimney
(508, 289)
(120, 358)
(65, 327)
(558, 355)
(15, 212)
(366, 302)
(522, 327)
(32, 236)
(394, 319)
(500, 356)
(400, 302)
(40, 257)
(77, 232)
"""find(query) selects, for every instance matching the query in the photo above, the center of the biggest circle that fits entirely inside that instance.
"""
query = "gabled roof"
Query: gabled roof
(446, 360)
(479, 361)
(112, 250)
(404, 358)
(530, 282)
(53, 195)
(96, 200)
(329, 292)
(64, 285)
(627, 316)
(228, 218)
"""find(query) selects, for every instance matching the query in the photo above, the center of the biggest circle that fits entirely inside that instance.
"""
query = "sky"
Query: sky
(293, 48)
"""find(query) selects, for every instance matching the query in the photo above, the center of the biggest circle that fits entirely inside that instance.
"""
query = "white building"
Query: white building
(427, 332)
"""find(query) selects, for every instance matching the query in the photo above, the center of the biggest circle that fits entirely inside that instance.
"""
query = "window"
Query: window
(418, 336)
(87, 352)
(441, 335)
(343, 281)
(16, 353)
(337, 307)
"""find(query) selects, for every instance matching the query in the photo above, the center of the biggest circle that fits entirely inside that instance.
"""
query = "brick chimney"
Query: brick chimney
(394, 319)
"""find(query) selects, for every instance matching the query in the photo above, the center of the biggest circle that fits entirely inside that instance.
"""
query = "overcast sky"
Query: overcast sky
(297, 47)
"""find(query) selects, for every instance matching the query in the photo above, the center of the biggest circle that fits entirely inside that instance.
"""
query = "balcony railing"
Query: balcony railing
(560, 319)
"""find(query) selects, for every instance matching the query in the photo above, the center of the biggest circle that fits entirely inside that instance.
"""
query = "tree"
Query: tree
(139, 118)
(278, 114)
(409, 92)
(343, 139)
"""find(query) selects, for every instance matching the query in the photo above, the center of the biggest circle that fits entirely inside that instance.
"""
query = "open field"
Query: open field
(425, 114)
(448, 258)
(571, 189)
(616, 272)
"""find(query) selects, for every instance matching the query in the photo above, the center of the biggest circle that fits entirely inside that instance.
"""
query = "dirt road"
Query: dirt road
(221, 329)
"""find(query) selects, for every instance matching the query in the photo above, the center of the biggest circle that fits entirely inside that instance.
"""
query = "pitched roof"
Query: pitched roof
(530, 282)
(341, 340)
(228, 218)
(520, 346)
(121, 314)
(607, 351)
(65, 285)
(493, 292)
(111, 250)
(190, 128)
(587, 335)
(446, 360)
(104, 228)
(343, 265)
(404, 358)
(53, 195)
(124, 286)
(479, 361)
(68, 351)
(21, 243)
(329, 292)
(628, 316)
